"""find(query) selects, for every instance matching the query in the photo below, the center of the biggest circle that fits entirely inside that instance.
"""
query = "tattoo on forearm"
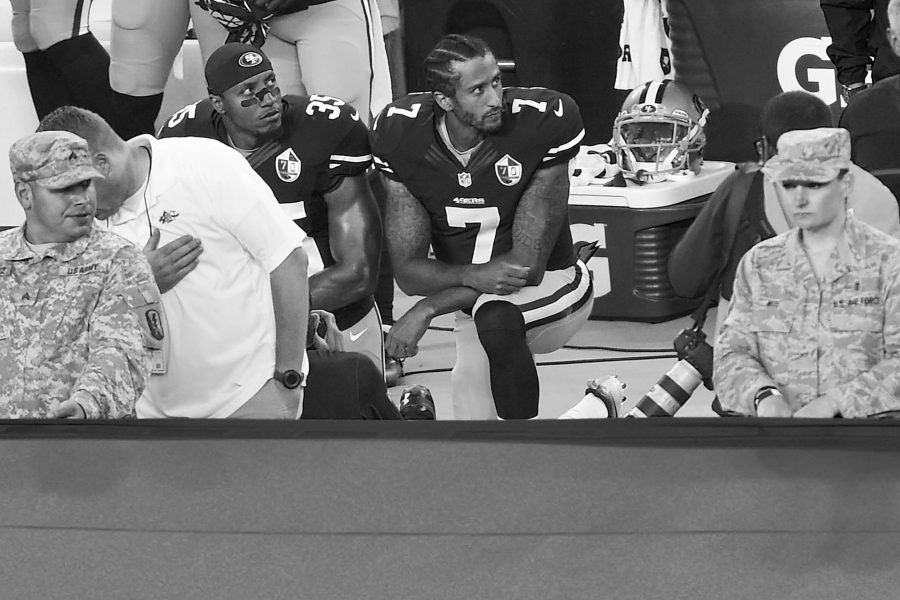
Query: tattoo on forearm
(408, 226)
(539, 215)
(521, 236)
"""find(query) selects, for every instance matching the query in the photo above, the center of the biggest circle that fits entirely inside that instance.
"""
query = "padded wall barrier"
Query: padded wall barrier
(684, 508)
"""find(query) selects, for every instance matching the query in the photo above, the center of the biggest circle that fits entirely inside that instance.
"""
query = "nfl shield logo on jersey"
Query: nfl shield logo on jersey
(465, 179)
(287, 165)
(509, 170)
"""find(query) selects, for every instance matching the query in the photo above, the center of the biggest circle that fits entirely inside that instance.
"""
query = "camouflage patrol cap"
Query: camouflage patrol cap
(815, 155)
(55, 159)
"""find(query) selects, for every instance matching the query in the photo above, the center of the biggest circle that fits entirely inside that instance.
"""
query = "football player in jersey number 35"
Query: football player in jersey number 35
(479, 173)
(313, 152)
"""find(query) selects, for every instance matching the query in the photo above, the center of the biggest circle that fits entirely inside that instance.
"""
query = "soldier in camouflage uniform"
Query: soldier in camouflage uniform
(78, 306)
(814, 325)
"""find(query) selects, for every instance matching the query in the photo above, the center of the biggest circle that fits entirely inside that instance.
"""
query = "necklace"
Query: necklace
(147, 187)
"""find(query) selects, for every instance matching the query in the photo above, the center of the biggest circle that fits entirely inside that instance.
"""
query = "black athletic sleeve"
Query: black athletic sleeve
(701, 252)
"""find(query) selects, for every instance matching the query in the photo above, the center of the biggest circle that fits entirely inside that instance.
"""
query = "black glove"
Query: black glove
(245, 23)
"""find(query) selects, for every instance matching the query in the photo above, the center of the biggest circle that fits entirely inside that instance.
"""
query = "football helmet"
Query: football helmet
(659, 131)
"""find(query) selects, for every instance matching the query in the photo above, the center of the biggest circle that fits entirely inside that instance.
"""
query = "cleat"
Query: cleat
(416, 404)
(393, 371)
(610, 391)
(601, 400)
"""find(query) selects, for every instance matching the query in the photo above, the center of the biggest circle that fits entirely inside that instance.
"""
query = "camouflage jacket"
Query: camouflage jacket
(69, 328)
(840, 339)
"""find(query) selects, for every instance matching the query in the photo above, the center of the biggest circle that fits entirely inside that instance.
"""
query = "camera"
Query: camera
(695, 364)
(691, 345)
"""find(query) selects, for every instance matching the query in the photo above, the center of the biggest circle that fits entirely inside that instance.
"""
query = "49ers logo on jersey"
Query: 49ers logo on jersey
(508, 170)
(287, 165)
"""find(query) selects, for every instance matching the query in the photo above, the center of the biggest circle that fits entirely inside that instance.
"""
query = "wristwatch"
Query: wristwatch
(764, 393)
(290, 378)
(848, 91)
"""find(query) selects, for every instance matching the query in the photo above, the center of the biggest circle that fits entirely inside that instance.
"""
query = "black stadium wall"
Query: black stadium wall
(734, 54)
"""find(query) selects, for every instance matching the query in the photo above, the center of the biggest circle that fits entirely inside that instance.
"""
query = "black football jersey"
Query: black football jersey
(472, 207)
(322, 141)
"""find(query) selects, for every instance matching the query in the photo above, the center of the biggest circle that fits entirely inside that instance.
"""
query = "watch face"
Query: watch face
(291, 379)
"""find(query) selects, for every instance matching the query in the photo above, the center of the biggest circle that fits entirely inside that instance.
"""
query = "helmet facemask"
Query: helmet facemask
(654, 141)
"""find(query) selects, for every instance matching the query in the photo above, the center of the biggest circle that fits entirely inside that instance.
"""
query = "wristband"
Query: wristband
(764, 393)
(848, 91)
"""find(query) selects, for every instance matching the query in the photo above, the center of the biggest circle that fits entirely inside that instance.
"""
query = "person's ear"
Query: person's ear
(101, 163)
(847, 183)
(217, 103)
(24, 195)
(443, 100)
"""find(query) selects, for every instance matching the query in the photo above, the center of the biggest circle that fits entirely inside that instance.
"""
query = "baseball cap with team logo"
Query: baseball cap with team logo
(815, 155)
(233, 63)
(55, 159)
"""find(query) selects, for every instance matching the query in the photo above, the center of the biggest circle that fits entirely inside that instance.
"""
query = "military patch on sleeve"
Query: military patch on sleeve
(147, 307)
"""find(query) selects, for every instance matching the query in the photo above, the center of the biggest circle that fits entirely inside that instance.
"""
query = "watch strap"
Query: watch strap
(848, 91)
(289, 378)
(763, 393)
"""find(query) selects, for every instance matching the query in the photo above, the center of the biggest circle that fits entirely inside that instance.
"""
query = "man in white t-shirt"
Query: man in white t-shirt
(238, 314)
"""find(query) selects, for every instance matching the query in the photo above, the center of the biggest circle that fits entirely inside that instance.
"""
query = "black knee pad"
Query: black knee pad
(501, 330)
(498, 316)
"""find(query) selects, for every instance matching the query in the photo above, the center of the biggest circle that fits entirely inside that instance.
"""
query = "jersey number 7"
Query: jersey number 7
(487, 218)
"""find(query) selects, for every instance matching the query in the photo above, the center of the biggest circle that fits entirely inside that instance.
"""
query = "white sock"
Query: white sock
(590, 407)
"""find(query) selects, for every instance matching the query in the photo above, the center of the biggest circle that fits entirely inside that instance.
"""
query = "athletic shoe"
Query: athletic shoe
(601, 400)
(416, 404)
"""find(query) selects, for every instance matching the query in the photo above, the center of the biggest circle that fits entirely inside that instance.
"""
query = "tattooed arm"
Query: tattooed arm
(542, 210)
(408, 233)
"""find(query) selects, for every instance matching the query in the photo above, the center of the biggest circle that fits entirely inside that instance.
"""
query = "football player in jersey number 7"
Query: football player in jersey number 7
(479, 173)
(313, 152)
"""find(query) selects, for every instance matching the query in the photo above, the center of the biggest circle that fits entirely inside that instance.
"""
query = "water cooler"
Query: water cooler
(636, 228)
